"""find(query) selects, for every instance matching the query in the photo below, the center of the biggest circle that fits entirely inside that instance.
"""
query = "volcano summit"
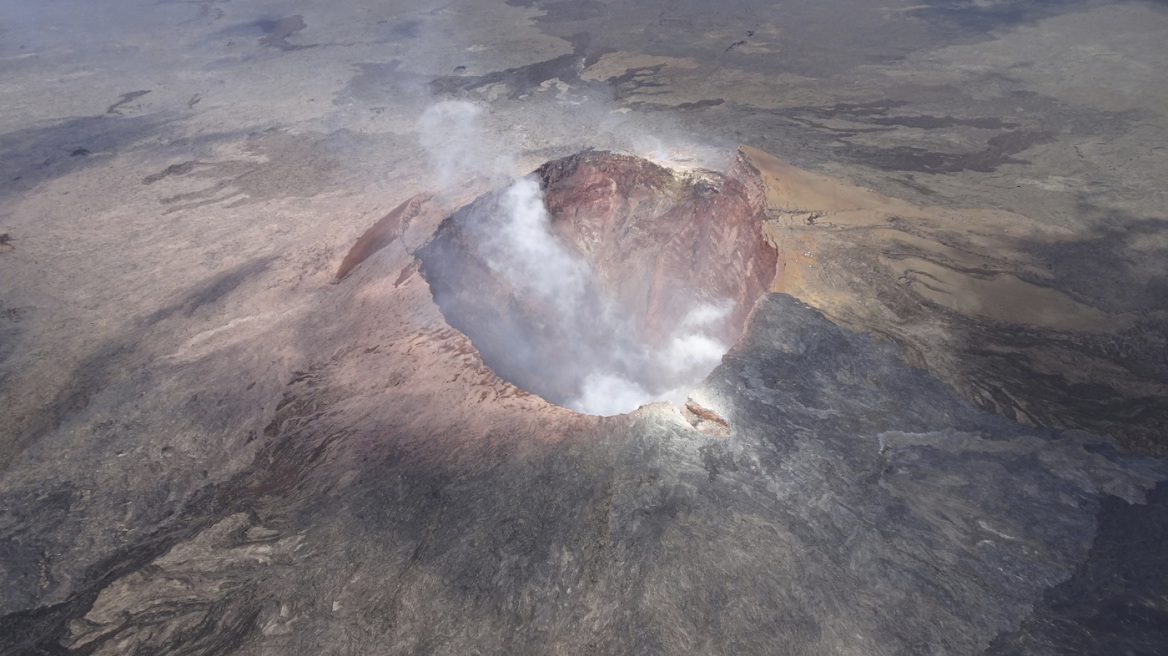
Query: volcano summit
(626, 289)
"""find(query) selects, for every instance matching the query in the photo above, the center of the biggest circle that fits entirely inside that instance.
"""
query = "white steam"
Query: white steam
(673, 371)
(691, 351)
(459, 149)
(615, 373)
(526, 253)
(607, 394)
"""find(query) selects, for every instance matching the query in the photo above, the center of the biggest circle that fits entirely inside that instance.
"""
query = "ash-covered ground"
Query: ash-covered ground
(942, 430)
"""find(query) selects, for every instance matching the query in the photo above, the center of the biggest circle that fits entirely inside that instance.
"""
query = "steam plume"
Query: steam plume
(565, 338)
(459, 149)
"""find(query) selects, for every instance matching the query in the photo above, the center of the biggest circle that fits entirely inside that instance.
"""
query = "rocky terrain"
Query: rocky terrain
(259, 308)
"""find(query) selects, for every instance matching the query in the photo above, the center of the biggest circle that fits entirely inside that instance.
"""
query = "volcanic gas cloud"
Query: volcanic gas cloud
(602, 282)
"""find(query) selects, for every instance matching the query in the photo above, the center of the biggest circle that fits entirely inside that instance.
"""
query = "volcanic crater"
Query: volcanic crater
(604, 281)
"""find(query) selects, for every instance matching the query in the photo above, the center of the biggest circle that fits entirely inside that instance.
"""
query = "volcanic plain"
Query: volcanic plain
(259, 382)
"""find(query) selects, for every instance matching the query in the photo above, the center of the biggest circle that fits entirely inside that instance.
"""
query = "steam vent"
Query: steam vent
(633, 285)
(590, 327)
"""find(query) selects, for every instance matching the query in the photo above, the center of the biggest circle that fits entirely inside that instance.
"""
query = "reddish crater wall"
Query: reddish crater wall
(661, 242)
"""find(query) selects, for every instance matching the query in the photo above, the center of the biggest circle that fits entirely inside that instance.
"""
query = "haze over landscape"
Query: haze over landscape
(596, 326)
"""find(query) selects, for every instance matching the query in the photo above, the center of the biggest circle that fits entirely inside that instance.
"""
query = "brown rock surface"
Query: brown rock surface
(381, 234)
